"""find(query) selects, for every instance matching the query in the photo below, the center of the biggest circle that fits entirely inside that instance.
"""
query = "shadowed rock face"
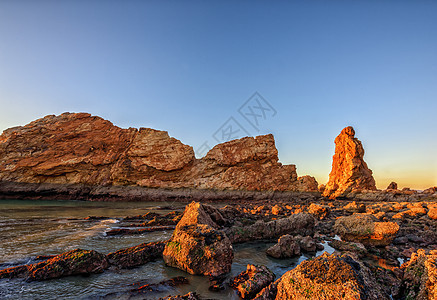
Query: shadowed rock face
(83, 149)
(349, 170)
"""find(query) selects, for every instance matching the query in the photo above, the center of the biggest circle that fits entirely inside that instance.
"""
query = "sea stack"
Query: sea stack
(349, 170)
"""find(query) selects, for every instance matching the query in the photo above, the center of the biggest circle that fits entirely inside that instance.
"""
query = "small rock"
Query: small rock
(252, 281)
(285, 248)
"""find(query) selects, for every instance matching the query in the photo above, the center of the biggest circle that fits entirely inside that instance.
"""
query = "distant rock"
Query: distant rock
(77, 148)
(392, 186)
(349, 170)
(319, 211)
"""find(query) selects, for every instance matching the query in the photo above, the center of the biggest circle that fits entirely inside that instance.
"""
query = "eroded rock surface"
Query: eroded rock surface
(349, 170)
(77, 148)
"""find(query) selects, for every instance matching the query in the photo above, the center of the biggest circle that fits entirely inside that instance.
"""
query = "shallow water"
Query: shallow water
(31, 228)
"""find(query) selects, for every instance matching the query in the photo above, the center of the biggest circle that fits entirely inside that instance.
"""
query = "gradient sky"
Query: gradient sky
(187, 66)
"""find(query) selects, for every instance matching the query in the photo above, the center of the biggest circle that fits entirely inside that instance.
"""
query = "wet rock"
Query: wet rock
(136, 256)
(349, 170)
(125, 231)
(199, 249)
(285, 248)
(420, 276)
(319, 211)
(357, 248)
(74, 262)
(329, 277)
(269, 292)
(252, 281)
(189, 296)
(363, 229)
(154, 287)
(300, 223)
(307, 243)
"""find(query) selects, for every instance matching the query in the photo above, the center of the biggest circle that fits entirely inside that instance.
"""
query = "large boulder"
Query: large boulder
(329, 277)
(199, 249)
(300, 223)
(349, 170)
(364, 229)
(420, 276)
(252, 281)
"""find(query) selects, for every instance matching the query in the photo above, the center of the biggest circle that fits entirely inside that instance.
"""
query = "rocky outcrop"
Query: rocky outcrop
(420, 276)
(252, 281)
(349, 170)
(77, 148)
(362, 228)
(330, 277)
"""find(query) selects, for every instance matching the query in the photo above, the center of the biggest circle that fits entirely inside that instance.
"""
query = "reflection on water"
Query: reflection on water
(31, 228)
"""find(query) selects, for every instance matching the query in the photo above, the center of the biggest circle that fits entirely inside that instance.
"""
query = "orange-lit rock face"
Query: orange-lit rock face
(349, 170)
(80, 148)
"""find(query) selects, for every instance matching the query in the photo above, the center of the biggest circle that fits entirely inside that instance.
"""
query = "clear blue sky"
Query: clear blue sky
(187, 66)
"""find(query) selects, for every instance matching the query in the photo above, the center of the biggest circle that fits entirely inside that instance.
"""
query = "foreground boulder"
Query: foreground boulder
(135, 256)
(349, 170)
(363, 229)
(252, 281)
(300, 223)
(420, 276)
(74, 262)
(329, 277)
(199, 249)
(285, 248)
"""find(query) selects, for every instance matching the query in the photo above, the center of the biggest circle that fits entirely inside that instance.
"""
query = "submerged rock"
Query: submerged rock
(349, 170)
(252, 281)
(285, 248)
(363, 229)
(329, 277)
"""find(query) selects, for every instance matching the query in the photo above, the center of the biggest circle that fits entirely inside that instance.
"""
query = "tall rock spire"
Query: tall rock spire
(349, 170)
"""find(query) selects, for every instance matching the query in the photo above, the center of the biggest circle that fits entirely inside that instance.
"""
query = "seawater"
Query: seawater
(32, 227)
